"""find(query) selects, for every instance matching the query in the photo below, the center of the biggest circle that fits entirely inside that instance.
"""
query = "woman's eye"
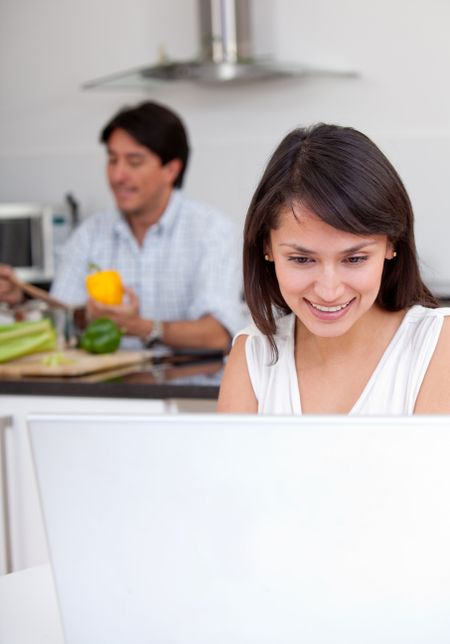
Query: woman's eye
(301, 260)
(356, 259)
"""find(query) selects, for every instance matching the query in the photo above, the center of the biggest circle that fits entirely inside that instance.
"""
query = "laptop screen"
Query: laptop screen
(195, 529)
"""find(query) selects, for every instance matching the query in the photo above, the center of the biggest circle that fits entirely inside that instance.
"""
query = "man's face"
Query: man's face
(141, 184)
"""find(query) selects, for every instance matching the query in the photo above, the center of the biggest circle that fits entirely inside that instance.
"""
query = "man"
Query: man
(177, 258)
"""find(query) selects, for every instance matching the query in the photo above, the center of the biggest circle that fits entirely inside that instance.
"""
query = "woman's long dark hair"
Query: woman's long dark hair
(345, 179)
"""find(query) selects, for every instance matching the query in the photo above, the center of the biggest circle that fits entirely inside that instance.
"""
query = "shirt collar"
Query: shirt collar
(169, 215)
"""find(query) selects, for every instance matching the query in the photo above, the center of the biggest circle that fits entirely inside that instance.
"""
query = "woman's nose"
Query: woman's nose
(328, 286)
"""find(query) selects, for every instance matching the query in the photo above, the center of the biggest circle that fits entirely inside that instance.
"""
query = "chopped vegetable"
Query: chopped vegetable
(101, 336)
(56, 359)
(104, 286)
(23, 338)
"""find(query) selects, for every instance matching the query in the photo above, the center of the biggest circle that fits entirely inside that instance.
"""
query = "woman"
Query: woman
(343, 322)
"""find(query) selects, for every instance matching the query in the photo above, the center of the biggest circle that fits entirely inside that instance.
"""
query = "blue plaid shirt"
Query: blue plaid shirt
(187, 267)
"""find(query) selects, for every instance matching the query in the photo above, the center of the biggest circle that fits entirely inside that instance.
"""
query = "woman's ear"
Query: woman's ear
(390, 251)
(268, 253)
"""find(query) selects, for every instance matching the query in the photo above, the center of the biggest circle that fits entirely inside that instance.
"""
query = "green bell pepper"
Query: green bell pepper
(101, 336)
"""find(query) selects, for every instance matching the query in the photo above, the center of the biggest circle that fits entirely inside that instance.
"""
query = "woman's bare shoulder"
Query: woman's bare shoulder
(434, 394)
(236, 392)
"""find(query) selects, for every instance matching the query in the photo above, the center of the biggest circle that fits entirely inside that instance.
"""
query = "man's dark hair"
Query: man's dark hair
(155, 127)
(342, 177)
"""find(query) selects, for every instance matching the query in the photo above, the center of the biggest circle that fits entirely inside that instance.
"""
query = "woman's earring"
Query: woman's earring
(266, 257)
(394, 254)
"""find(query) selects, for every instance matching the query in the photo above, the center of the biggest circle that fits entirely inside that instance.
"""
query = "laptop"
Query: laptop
(222, 529)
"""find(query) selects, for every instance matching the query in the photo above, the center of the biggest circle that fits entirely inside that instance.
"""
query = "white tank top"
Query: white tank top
(392, 388)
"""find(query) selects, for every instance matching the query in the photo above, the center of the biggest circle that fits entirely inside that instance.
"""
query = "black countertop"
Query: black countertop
(183, 376)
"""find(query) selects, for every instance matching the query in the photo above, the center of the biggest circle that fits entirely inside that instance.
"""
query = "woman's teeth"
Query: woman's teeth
(330, 309)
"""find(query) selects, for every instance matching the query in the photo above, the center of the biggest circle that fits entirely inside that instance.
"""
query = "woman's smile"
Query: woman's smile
(331, 313)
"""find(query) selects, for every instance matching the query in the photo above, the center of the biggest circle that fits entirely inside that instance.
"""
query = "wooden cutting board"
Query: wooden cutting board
(76, 363)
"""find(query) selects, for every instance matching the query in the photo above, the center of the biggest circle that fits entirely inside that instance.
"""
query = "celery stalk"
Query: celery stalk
(23, 324)
(33, 343)
(10, 332)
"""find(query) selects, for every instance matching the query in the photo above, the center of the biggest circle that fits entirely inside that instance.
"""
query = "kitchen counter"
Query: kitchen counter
(178, 376)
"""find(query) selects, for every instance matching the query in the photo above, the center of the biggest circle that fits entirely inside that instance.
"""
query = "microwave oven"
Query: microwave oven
(30, 238)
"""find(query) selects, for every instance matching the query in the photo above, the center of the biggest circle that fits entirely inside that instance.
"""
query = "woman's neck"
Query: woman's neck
(373, 331)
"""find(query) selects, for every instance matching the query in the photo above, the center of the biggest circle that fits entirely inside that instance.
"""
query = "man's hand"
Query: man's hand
(9, 292)
(125, 315)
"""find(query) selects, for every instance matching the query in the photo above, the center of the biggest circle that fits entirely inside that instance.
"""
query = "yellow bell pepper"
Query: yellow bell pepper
(105, 286)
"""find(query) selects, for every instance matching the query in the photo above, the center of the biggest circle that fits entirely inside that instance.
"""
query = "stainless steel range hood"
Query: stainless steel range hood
(225, 58)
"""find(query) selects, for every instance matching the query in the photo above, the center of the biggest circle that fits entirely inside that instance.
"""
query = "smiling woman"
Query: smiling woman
(343, 322)
(327, 277)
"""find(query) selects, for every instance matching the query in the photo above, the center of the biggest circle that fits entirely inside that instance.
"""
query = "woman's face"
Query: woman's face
(329, 278)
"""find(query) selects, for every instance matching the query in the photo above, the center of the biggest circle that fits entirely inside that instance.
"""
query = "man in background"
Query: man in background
(178, 258)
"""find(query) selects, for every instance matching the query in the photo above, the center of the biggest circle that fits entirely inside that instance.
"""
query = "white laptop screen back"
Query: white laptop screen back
(219, 529)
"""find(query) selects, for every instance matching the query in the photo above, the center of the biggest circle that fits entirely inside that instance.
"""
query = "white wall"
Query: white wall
(401, 49)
